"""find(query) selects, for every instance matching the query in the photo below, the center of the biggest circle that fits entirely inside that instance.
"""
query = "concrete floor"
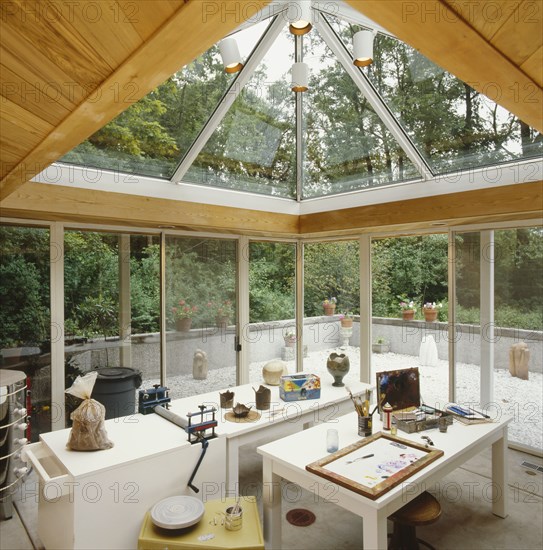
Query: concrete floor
(466, 523)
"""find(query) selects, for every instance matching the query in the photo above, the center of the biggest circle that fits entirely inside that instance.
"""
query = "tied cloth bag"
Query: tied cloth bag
(88, 429)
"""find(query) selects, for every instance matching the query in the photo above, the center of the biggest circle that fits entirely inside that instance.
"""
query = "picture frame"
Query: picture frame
(399, 388)
(375, 465)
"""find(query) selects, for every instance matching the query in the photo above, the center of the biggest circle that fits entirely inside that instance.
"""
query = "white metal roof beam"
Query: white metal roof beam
(229, 97)
(375, 100)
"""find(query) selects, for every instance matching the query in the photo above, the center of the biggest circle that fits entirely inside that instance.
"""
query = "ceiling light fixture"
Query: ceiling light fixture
(363, 48)
(231, 57)
(300, 77)
(300, 17)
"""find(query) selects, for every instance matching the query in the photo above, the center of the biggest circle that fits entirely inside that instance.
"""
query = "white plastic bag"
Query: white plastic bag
(88, 429)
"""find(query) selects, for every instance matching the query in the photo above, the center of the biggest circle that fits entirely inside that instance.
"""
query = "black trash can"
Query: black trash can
(116, 388)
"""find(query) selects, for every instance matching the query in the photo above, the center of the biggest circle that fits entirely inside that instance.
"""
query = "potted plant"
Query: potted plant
(290, 338)
(329, 305)
(222, 311)
(408, 309)
(346, 319)
(380, 345)
(183, 314)
(430, 310)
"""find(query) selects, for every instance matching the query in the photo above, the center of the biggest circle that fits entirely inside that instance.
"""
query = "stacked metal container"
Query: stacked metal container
(13, 427)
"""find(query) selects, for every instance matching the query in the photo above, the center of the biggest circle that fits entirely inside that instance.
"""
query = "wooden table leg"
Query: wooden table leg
(499, 476)
(271, 500)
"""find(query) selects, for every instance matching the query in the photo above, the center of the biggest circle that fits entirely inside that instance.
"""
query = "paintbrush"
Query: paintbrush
(357, 405)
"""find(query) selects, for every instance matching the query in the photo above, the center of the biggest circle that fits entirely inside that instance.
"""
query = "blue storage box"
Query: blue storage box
(298, 387)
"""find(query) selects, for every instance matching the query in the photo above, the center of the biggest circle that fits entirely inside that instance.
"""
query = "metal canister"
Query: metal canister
(387, 416)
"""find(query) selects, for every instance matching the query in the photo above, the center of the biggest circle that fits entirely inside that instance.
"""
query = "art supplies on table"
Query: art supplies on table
(466, 414)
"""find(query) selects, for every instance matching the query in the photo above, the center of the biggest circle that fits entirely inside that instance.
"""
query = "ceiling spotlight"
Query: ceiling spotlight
(300, 77)
(231, 58)
(363, 48)
(300, 17)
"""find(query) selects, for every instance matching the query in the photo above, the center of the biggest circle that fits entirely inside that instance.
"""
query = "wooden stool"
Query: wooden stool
(423, 510)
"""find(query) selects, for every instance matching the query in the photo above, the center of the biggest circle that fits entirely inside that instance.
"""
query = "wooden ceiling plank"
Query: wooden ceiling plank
(148, 67)
(12, 112)
(18, 137)
(450, 42)
(29, 97)
(57, 40)
(115, 37)
(41, 74)
(485, 17)
(533, 66)
(527, 23)
(147, 17)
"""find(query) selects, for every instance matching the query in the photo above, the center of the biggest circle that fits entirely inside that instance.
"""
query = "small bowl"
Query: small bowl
(241, 410)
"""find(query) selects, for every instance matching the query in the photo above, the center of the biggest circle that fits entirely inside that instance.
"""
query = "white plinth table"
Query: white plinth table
(287, 458)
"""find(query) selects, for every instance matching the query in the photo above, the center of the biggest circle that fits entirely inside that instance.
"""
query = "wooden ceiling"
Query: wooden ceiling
(67, 68)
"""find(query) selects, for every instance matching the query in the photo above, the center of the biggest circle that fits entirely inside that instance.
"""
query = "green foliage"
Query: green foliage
(414, 267)
(24, 317)
(200, 271)
(271, 282)
(24, 286)
(331, 270)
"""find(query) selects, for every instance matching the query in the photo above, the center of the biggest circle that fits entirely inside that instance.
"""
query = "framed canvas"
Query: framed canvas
(399, 388)
(374, 465)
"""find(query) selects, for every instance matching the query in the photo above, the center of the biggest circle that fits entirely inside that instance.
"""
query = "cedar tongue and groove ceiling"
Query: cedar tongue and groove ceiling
(68, 69)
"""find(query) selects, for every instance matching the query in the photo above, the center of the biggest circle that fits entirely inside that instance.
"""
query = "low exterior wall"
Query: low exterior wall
(265, 341)
(405, 337)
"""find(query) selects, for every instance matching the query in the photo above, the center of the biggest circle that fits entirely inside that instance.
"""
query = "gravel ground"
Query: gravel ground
(521, 399)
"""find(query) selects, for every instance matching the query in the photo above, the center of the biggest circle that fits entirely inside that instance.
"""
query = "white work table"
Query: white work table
(459, 444)
(283, 417)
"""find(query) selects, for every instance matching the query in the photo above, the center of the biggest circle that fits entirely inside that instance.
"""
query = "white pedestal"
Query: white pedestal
(99, 499)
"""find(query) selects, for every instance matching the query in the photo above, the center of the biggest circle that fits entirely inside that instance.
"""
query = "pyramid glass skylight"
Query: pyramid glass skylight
(347, 146)
(453, 126)
(400, 119)
(254, 148)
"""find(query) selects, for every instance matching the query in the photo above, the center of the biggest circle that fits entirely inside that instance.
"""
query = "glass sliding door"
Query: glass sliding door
(409, 310)
(331, 305)
(112, 310)
(201, 316)
(271, 333)
(25, 320)
(518, 333)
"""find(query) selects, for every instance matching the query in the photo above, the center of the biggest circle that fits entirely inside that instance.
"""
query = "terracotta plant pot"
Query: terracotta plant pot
(329, 309)
(430, 315)
(346, 323)
(408, 314)
(183, 325)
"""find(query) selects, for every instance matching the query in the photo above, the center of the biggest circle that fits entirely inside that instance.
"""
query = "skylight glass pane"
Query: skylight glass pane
(152, 135)
(453, 126)
(346, 145)
(253, 149)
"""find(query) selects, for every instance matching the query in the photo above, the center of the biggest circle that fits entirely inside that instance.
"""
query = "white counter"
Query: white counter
(98, 499)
